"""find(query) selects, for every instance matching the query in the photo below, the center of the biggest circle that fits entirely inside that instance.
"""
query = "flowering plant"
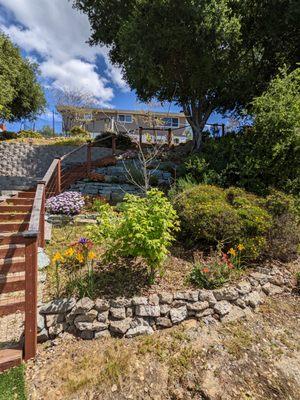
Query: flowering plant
(76, 263)
(69, 203)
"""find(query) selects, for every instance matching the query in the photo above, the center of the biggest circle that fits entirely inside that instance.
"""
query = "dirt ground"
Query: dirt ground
(253, 359)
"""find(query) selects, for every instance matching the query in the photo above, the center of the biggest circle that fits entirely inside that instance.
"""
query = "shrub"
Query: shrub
(78, 131)
(123, 141)
(69, 203)
(210, 215)
(29, 134)
(143, 228)
(284, 236)
(8, 135)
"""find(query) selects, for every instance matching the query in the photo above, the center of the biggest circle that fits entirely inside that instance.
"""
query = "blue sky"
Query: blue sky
(53, 34)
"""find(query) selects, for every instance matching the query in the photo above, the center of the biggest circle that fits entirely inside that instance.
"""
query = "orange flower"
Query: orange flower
(205, 270)
(230, 265)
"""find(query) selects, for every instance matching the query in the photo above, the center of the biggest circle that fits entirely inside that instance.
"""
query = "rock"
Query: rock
(139, 327)
(253, 299)
(154, 299)
(120, 302)
(43, 259)
(165, 309)
(102, 334)
(271, 289)
(165, 298)
(54, 319)
(179, 296)
(205, 313)
(223, 307)
(138, 301)
(178, 303)
(87, 335)
(210, 320)
(207, 295)
(99, 326)
(56, 329)
(235, 314)
(59, 306)
(240, 303)
(40, 322)
(89, 317)
(198, 306)
(91, 326)
(178, 314)
(101, 305)
(277, 280)
(227, 293)
(117, 313)
(261, 278)
(120, 327)
(147, 311)
(129, 312)
(83, 305)
(42, 336)
(163, 322)
(244, 287)
(103, 316)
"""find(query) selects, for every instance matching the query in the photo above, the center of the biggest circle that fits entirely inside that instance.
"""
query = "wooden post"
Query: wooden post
(113, 144)
(30, 298)
(58, 176)
(42, 219)
(89, 158)
(170, 137)
(141, 136)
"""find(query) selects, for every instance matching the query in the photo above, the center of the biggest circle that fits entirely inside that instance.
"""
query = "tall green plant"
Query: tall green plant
(143, 227)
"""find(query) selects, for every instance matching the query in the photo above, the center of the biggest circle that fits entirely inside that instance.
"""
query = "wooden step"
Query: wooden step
(11, 238)
(22, 202)
(10, 265)
(6, 208)
(26, 195)
(13, 227)
(22, 217)
(11, 250)
(10, 358)
(12, 284)
(12, 305)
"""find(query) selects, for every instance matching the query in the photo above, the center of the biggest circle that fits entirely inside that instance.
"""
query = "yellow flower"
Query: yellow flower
(79, 257)
(57, 257)
(232, 252)
(92, 255)
(241, 247)
(69, 252)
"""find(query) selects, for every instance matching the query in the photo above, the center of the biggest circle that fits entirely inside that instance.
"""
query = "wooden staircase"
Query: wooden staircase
(14, 220)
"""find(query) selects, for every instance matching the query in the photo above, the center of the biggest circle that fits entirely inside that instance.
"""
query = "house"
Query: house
(154, 125)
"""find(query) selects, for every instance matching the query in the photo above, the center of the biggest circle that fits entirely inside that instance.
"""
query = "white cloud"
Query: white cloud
(59, 33)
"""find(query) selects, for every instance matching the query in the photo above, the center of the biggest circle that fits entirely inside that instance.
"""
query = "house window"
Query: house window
(125, 119)
(88, 117)
(171, 122)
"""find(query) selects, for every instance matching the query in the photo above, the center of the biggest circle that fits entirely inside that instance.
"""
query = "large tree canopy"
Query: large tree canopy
(21, 95)
(206, 55)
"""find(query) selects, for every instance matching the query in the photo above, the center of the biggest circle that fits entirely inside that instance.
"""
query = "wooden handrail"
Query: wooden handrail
(73, 151)
(34, 223)
(50, 171)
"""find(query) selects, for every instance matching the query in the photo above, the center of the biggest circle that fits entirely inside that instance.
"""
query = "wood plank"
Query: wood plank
(12, 264)
(12, 284)
(10, 358)
(22, 217)
(21, 202)
(15, 208)
(26, 195)
(12, 250)
(50, 171)
(11, 238)
(12, 305)
(34, 224)
(13, 227)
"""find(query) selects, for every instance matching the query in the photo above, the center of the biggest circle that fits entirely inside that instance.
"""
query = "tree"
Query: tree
(196, 53)
(21, 96)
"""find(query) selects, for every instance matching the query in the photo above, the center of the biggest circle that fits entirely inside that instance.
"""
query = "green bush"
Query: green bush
(210, 276)
(210, 215)
(29, 134)
(143, 227)
(78, 131)
(8, 135)
(123, 141)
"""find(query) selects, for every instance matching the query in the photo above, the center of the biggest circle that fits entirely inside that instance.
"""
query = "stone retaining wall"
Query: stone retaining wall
(22, 164)
(135, 316)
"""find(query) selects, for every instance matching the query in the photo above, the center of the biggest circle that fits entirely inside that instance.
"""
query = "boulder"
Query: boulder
(120, 302)
(253, 299)
(235, 314)
(244, 287)
(205, 313)
(178, 314)
(101, 305)
(198, 306)
(87, 335)
(138, 301)
(103, 316)
(163, 322)
(120, 327)
(102, 334)
(42, 336)
(83, 306)
(139, 327)
(165, 309)
(271, 289)
(222, 307)
(58, 306)
(117, 313)
(207, 295)
(147, 311)
(227, 293)
(165, 298)
(154, 299)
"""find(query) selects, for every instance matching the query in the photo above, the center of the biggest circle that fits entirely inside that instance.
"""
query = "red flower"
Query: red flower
(205, 270)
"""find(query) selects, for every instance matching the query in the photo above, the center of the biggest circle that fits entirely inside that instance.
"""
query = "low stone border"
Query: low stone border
(128, 318)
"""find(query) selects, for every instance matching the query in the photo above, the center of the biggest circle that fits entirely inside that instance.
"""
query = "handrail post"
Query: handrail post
(141, 136)
(31, 248)
(170, 137)
(58, 176)
(113, 144)
(42, 218)
(89, 158)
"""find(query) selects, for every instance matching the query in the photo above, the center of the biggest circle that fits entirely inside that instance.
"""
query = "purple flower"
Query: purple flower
(83, 240)
(68, 203)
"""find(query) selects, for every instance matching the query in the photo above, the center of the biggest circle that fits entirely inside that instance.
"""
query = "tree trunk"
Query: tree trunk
(197, 114)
